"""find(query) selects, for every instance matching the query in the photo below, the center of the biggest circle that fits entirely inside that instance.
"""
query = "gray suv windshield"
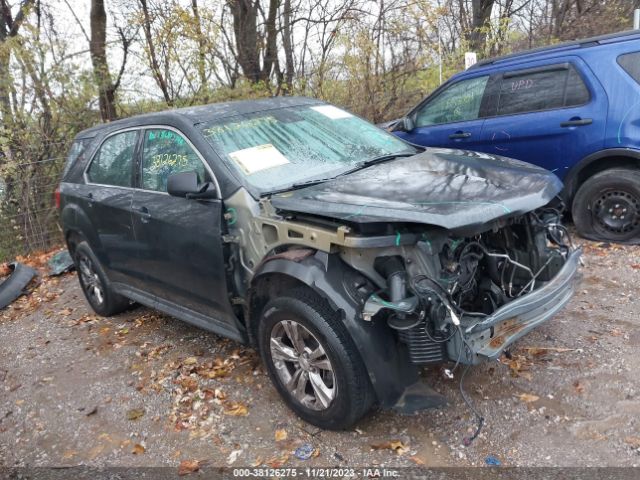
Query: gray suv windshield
(278, 148)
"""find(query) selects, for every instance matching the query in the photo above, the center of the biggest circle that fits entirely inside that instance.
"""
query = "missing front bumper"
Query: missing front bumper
(488, 338)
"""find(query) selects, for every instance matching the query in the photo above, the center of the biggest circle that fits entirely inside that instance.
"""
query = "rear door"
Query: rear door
(106, 199)
(179, 241)
(550, 115)
(450, 118)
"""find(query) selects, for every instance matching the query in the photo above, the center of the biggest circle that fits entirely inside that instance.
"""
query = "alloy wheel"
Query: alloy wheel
(302, 365)
(90, 279)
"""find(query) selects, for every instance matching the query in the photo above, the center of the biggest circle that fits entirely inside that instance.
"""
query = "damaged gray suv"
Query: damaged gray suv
(347, 256)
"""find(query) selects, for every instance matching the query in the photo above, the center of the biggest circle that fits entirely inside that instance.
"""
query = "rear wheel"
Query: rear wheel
(313, 362)
(95, 284)
(607, 206)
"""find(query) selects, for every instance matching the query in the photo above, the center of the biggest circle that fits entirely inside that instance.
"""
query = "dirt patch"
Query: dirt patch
(144, 389)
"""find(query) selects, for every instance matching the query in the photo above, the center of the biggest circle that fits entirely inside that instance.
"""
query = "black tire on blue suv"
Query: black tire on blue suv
(607, 206)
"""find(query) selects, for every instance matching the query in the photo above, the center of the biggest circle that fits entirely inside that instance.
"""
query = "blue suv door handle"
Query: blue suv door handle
(577, 122)
(453, 136)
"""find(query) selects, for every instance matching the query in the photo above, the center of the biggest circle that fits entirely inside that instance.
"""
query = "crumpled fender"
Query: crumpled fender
(385, 359)
(14, 286)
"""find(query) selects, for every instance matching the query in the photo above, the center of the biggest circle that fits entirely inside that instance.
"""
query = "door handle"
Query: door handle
(578, 122)
(144, 214)
(456, 135)
(90, 199)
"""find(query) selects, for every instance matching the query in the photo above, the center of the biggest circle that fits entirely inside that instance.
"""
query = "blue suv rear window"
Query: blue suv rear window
(554, 87)
(630, 63)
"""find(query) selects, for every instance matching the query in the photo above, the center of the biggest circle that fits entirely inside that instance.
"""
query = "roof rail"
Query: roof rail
(582, 43)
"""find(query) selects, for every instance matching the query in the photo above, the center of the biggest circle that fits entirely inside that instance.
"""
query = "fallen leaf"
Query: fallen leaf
(188, 466)
(543, 350)
(277, 462)
(579, 387)
(395, 445)
(528, 398)
(4, 270)
(190, 361)
(636, 266)
(281, 434)
(236, 409)
(633, 441)
(135, 413)
(138, 449)
(417, 460)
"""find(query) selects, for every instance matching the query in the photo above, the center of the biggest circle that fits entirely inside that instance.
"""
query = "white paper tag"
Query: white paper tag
(258, 158)
(334, 113)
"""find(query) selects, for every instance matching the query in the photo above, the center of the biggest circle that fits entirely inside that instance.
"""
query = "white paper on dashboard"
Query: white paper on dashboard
(258, 158)
(332, 112)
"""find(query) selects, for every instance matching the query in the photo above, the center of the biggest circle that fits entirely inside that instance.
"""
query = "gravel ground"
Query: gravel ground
(143, 389)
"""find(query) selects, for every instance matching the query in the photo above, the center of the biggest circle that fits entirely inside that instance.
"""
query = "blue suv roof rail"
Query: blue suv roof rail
(583, 43)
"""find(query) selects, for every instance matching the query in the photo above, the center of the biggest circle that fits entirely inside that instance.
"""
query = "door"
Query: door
(549, 115)
(106, 199)
(179, 240)
(451, 118)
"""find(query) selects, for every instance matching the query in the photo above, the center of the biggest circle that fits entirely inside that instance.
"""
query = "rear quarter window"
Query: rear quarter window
(630, 63)
(555, 87)
(78, 147)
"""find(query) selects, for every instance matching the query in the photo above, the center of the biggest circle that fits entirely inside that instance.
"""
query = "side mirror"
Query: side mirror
(407, 124)
(183, 183)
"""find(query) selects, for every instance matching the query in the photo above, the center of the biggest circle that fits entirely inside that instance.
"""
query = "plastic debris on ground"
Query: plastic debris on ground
(493, 461)
(304, 452)
(13, 286)
(60, 263)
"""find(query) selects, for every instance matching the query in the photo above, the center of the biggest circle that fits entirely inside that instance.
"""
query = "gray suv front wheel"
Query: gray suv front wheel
(313, 361)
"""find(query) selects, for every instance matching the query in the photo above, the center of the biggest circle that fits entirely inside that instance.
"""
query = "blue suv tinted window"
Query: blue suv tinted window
(112, 164)
(458, 103)
(630, 62)
(530, 91)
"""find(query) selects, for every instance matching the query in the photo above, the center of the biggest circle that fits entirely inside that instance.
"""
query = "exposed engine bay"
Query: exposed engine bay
(448, 284)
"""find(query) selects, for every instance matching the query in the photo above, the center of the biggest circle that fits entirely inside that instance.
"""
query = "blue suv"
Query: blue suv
(572, 108)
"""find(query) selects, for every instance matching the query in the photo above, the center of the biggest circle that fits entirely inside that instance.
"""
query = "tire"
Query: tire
(95, 284)
(607, 206)
(318, 326)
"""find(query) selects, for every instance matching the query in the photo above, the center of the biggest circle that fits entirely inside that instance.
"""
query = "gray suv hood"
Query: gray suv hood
(441, 187)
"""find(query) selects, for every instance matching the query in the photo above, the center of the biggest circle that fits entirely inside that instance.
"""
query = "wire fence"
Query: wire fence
(28, 214)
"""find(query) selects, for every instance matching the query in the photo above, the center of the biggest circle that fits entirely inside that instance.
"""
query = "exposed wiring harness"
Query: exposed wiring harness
(468, 440)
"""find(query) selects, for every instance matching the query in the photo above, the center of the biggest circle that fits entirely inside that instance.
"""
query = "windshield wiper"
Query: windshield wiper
(358, 166)
(384, 158)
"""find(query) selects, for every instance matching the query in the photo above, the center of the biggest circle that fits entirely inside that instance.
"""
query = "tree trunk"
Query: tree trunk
(480, 16)
(153, 59)
(202, 50)
(287, 42)
(245, 30)
(98, 51)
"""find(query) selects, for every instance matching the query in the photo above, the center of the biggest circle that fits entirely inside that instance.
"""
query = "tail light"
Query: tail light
(56, 197)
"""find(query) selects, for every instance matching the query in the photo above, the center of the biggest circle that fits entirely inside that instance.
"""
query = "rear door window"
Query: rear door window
(630, 63)
(541, 89)
(113, 162)
(167, 152)
(457, 103)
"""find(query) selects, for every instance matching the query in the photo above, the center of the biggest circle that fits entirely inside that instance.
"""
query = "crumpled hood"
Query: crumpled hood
(442, 187)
